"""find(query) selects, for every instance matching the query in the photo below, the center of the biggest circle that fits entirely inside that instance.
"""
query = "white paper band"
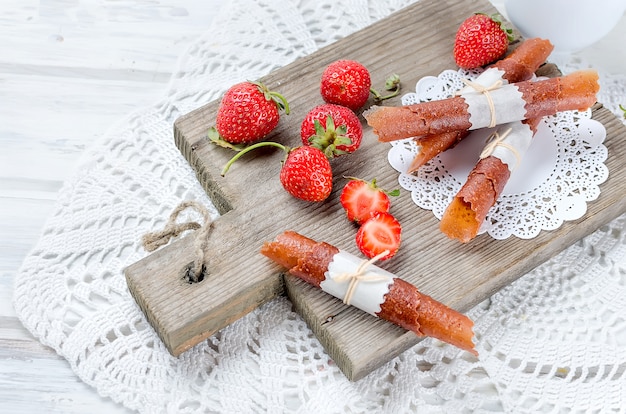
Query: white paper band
(508, 106)
(369, 293)
(513, 146)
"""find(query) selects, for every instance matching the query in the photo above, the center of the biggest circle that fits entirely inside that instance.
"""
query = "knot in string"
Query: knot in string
(497, 140)
(361, 275)
(485, 90)
(154, 240)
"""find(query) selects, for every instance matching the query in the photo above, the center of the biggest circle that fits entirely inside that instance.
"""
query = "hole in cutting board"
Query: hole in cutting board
(189, 276)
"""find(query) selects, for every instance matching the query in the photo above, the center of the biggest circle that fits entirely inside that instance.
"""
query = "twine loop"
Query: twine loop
(495, 140)
(485, 90)
(154, 240)
(361, 275)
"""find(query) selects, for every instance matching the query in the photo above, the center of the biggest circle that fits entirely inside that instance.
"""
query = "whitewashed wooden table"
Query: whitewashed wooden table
(68, 71)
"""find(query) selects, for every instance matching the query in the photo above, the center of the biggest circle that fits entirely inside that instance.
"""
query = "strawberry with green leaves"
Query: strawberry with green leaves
(481, 40)
(334, 129)
(380, 235)
(248, 112)
(361, 199)
(305, 174)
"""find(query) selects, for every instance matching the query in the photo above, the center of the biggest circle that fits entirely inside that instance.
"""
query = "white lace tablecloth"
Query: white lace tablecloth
(554, 341)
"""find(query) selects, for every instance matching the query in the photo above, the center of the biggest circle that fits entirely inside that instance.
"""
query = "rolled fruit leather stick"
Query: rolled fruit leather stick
(518, 66)
(469, 208)
(378, 292)
(509, 103)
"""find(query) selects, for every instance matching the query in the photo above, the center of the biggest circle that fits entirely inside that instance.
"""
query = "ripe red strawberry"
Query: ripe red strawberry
(346, 82)
(248, 112)
(306, 173)
(480, 40)
(334, 129)
(361, 199)
(380, 233)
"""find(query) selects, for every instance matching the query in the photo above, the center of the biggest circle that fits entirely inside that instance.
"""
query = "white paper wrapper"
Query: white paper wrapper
(514, 144)
(368, 295)
(508, 106)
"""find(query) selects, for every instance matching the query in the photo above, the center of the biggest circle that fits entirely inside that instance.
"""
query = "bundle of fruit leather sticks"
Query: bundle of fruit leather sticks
(361, 284)
(505, 96)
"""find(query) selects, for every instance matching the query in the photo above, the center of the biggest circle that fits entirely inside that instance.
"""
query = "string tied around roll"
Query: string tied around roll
(486, 91)
(495, 140)
(360, 275)
(153, 240)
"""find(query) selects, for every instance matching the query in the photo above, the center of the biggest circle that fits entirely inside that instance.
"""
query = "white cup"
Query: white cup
(571, 25)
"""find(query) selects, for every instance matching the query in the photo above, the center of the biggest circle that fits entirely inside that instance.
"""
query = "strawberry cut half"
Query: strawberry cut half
(379, 234)
(361, 199)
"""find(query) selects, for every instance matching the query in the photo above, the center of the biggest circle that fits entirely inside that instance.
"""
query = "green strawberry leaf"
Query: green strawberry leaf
(217, 139)
(328, 138)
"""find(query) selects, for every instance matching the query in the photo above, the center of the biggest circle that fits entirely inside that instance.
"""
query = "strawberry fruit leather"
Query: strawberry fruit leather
(402, 304)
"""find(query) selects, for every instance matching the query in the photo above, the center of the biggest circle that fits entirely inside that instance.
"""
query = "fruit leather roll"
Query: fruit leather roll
(362, 284)
(467, 211)
(518, 66)
(524, 61)
(474, 110)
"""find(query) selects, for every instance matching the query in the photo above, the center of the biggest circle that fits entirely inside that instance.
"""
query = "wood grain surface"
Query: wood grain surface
(255, 207)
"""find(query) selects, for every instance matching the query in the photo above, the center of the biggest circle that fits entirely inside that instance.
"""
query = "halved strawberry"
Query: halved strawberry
(361, 199)
(379, 234)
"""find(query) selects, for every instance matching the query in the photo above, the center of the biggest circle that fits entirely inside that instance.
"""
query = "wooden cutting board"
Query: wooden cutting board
(413, 43)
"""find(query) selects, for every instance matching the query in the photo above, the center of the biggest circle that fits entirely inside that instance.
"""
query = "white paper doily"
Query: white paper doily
(558, 175)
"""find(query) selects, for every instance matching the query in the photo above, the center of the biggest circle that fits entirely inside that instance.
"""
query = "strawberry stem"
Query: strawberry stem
(392, 83)
(281, 101)
(251, 148)
(374, 185)
(276, 97)
(623, 109)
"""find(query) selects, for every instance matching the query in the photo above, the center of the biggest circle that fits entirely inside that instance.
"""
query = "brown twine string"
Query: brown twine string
(360, 275)
(485, 91)
(154, 240)
(497, 140)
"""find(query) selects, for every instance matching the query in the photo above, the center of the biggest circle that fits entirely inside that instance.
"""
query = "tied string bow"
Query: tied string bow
(361, 275)
(154, 240)
(497, 140)
(486, 91)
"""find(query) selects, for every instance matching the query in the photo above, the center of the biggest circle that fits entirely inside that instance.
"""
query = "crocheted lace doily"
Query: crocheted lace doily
(559, 173)
(553, 341)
